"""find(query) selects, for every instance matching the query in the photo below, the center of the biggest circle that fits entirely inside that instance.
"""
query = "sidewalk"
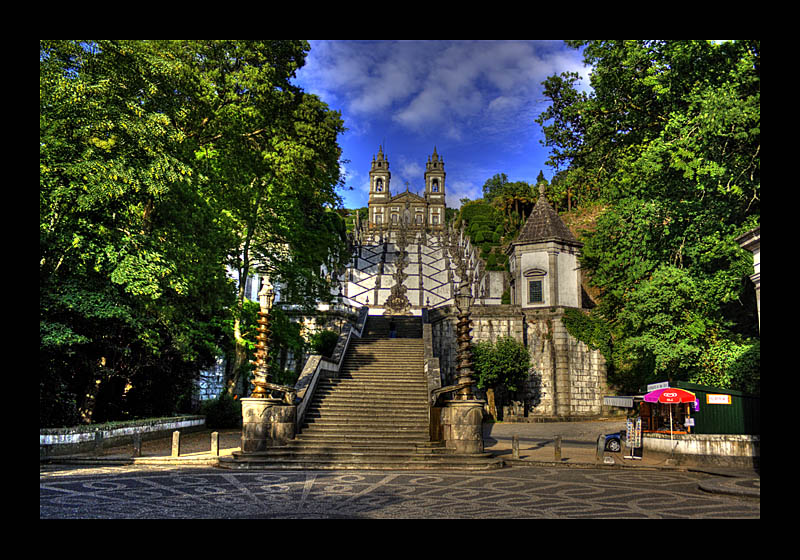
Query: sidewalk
(579, 450)
(195, 450)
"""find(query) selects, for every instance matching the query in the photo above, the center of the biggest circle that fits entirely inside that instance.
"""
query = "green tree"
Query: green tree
(669, 140)
(270, 155)
(505, 362)
(129, 292)
(160, 163)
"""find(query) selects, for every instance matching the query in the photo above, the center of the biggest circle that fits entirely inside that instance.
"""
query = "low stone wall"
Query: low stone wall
(80, 439)
(706, 449)
(568, 379)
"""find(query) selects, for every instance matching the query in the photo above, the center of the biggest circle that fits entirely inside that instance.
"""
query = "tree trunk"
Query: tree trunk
(86, 409)
(490, 399)
(233, 381)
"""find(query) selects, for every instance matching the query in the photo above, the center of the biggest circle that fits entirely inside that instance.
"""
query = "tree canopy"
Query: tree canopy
(161, 163)
(668, 140)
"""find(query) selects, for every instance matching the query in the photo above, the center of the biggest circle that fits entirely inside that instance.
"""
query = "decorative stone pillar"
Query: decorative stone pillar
(462, 425)
(266, 423)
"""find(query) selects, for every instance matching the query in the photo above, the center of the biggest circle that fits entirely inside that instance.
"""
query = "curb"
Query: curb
(582, 465)
(201, 461)
(740, 487)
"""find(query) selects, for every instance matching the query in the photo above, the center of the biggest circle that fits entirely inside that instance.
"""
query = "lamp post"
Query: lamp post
(265, 299)
(463, 302)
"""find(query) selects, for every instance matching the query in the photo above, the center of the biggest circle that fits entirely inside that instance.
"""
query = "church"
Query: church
(417, 211)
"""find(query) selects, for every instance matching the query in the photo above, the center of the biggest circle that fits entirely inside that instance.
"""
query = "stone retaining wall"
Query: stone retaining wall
(568, 378)
(706, 449)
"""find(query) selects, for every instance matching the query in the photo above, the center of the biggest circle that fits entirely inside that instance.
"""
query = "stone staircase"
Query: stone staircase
(374, 415)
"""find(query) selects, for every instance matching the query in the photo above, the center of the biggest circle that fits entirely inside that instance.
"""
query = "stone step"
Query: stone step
(374, 389)
(383, 432)
(286, 459)
(363, 410)
(410, 438)
(349, 421)
(373, 415)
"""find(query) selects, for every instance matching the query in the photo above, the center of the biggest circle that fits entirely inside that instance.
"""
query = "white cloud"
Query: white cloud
(457, 190)
(441, 84)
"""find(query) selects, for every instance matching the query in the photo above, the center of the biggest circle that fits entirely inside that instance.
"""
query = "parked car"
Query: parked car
(614, 441)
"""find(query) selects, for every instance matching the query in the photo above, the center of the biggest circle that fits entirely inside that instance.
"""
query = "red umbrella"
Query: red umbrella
(670, 396)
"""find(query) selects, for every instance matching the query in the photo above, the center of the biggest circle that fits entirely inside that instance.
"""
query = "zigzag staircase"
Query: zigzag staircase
(374, 415)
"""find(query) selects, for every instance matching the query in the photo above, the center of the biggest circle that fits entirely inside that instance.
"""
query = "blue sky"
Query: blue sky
(475, 101)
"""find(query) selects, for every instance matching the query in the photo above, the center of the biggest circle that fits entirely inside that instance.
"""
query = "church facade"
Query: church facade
(386, 210)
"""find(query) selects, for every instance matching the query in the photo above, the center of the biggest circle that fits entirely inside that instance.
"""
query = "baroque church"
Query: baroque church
(386, 210)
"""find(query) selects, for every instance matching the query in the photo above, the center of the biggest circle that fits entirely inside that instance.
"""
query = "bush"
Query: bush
(223, 412)
(745, 371)
(324, 342)
(505, 362)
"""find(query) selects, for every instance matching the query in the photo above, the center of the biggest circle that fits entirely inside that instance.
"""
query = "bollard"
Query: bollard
(215, 443)
(557, 449)
(601, 448)
(515, 447)
(98, 441)
(176, 443)
(137, 444)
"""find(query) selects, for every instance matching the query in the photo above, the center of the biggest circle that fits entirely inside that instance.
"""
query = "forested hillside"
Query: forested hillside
(668, 144)
(657, 171)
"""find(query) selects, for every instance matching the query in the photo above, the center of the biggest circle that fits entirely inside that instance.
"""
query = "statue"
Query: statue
(397, 303)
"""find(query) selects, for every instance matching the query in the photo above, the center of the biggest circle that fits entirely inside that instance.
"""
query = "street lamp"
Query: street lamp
(265, 299)
(463, 302)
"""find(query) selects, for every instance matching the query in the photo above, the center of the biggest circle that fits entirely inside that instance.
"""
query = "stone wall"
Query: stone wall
(568, 379)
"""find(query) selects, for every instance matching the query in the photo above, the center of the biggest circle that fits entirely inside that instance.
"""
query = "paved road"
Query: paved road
(519, 492)
(582, 434)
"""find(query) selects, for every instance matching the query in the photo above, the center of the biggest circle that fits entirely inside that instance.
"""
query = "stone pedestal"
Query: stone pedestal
(462, 426)
(266, 423)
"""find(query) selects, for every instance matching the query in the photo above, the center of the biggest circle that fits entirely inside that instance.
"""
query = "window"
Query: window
(379, 185)
(435, 219)
(535, 294)
(435, 186)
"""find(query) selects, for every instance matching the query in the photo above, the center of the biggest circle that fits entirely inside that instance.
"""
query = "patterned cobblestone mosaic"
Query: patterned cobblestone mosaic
(137, 493)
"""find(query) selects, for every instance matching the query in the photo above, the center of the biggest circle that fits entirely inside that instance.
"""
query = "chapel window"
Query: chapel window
(535, 292)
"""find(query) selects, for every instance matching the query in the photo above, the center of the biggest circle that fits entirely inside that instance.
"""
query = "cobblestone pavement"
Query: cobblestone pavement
(136, 492)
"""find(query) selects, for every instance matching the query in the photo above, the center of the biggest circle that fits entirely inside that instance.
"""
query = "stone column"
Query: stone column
(462, 423)
(266, 423)
(552, 265)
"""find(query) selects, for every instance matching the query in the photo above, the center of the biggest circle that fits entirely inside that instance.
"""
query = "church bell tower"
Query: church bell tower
(434, 189)
(379, 194)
